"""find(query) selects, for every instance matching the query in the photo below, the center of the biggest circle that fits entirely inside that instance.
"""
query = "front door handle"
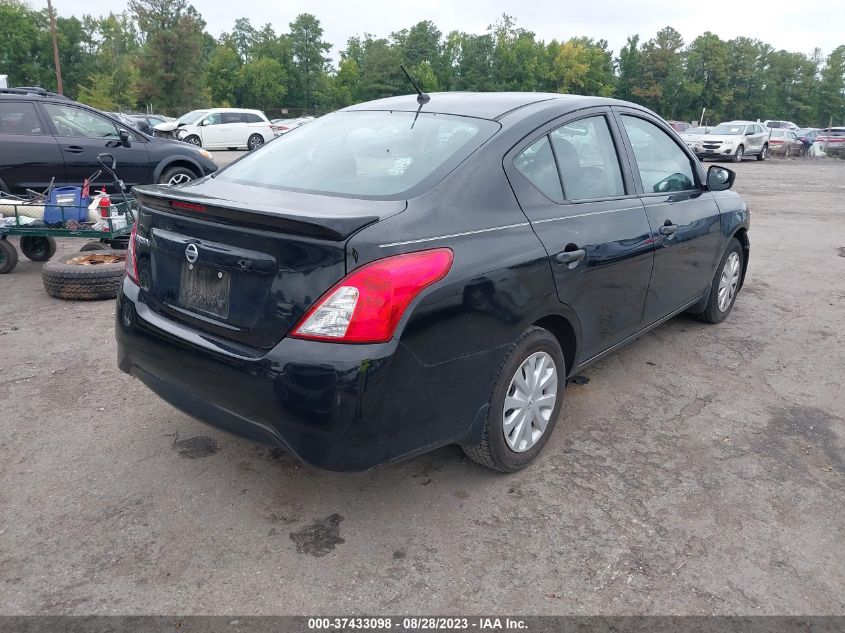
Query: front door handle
(668, 228)
(570, 257)
(74, 149)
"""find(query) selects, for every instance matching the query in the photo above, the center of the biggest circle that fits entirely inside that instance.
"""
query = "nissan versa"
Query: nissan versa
(405, 274)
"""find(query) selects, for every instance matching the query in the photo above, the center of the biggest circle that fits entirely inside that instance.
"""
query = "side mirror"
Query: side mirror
(205, 122)
(124, 138)
(720, 178)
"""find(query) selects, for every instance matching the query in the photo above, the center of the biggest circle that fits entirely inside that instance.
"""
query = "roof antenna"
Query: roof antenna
(422, 97)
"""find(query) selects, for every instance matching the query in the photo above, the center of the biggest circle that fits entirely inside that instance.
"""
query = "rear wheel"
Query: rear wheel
(738, 155)
(8, 256)
(524, 405)
(37, 248)
(255, 141)
(764, 153)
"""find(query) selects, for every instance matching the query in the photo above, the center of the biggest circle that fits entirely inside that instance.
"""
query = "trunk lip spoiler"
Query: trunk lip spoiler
(335, 227)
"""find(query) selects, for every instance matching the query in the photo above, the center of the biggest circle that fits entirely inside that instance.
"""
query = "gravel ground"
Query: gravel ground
(700, 470)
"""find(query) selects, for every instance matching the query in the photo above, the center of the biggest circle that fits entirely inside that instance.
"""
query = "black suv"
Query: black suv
(44, 137)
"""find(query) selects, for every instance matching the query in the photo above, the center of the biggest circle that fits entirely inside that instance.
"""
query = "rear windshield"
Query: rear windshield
(370, 154)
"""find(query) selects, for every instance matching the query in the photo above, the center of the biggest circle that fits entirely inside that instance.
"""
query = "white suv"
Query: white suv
(734, 140)
(225, 128)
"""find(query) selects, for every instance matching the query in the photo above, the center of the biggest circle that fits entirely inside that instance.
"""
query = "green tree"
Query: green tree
(243, 37)
(172, 76)
(707, 60)
(263, 83)
(663, 73)
(309, 57)
(475, 63)
(224, 75)
(629, 66)
(831, 89)
(22, 37)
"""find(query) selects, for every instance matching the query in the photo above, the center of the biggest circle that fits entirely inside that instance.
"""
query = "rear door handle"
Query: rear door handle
(74, 149)
(668, 228)
(570, 257)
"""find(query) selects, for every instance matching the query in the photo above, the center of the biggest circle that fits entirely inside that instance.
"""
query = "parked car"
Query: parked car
(735, 139)
(693, 137)
(225, 128)
(679, 126)
(283, 126)
(789, 125)
(377, 285)
(784, 142)
(832, 141)
(45, 137)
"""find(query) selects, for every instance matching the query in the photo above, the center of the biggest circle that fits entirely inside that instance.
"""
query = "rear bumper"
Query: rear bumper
(337, 407)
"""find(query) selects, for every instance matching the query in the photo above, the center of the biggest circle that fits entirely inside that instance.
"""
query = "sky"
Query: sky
(796, 25)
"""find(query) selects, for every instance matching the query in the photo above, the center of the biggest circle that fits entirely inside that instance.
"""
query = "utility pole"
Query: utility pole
(55, 47)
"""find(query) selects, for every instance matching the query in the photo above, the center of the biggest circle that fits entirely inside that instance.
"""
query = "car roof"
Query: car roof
(483, 105)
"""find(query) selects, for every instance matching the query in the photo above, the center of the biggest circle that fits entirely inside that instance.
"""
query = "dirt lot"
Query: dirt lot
(699, 471)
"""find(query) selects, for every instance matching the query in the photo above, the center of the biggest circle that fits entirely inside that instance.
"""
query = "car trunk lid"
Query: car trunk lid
(244, 271)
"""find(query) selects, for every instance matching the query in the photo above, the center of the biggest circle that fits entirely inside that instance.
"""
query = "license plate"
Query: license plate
(204, 290)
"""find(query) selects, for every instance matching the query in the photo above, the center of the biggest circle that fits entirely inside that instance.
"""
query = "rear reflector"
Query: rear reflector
(367, 304)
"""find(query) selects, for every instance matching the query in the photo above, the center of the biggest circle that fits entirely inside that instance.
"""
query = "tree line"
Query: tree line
(158, 54)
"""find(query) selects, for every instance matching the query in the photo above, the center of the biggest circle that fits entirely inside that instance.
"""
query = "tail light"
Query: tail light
(367, 304)
(131, 259)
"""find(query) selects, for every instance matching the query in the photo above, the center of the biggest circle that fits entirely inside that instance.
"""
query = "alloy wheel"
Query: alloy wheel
(179, 179)
(728, 281)
(529, 402)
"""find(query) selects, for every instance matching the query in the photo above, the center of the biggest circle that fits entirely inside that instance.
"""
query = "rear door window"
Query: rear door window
(662, 165)
(233, 117)
(19, 117)
(586, 158)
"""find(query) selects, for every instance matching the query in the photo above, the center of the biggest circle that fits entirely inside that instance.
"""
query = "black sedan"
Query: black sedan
(395, 277)
(45, 137)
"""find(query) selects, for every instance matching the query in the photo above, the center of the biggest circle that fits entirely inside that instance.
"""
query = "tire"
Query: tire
(8, 256)
(93, 245)
(193, 139)
(764, 153)
(37, 248)
(85, 276)
(255, 141)
(176, 176)
(503, 451)
(738, 155)
(786, 153)
(712, 313)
